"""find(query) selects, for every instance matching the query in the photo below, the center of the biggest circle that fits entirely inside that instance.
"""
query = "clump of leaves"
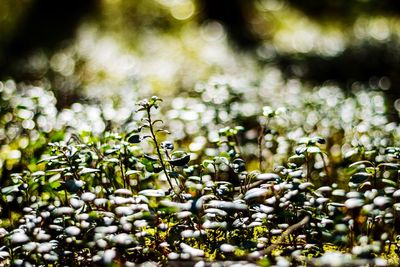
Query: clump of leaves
(264, 194)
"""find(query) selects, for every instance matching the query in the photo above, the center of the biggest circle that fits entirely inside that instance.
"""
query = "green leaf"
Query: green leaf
(59, 170)
(152, 193)
(313, 150)
(38, 173)
(361, 162)
(389, 182)
(112, 160)
(238, 165)
(49, 159)
(130, 172)
(207, 162)
(151, 157)
(73, 185)
(134, 138)
(297, 159)
(371, 170)
(360, 177)
(10, 189)
(389, 165)
(55, 184)
(179, 158)
(88, 170)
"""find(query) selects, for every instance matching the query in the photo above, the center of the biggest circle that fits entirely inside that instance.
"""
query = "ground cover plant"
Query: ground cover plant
(200, 178)
(199, 133)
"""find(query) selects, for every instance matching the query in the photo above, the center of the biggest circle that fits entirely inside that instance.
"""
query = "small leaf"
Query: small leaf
(9, 189)
(257, 193)
(206, 163)
(389, 165)
(112, 160)
(49, 159)
(156, 121)
(297, 159)
(238, 165)
(226, 205)
(152, 193)
(300, 150)
(313, 150)
(361, 162)
(179, 158)
(134, 138)
(130, 172)
(56, 170)
(163, 130)
(371, 170)
(88, 170)
(360, 177)
(38, 173)
(151, 157)
(73, 185)
(353, 203)
(389, 182)
(268, 177)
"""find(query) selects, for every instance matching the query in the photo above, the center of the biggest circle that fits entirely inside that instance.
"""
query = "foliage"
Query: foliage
(232, 180)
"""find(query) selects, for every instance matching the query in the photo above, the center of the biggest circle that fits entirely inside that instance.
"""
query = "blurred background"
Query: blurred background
(83, 48)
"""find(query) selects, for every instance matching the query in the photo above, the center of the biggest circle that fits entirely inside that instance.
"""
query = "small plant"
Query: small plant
(278, 186)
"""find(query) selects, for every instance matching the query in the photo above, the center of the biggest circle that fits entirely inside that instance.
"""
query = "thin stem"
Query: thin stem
(153, 136)
(325, 165)
(260, 140)
(308, 167)
(122, 170)
(237, 145)
(285, 234)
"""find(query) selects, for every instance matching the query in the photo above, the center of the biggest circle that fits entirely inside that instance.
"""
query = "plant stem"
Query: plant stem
(308, 167)
(285, 234)
(122, 170)
(325, 165)
(153, 136)
(260, 140)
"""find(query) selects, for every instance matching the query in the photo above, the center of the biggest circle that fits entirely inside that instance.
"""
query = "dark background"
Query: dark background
(45, 26)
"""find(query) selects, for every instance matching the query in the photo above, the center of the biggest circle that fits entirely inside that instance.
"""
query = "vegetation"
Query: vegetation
(273, 138)
(275, 184)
